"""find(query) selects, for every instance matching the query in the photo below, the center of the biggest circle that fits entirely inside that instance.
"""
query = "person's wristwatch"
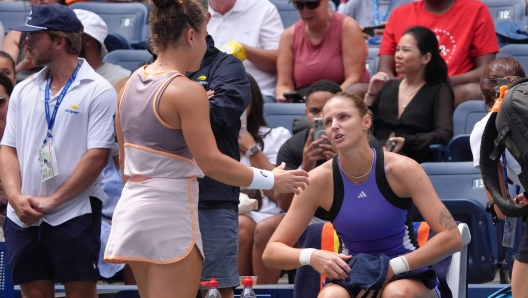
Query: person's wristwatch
(252, 150)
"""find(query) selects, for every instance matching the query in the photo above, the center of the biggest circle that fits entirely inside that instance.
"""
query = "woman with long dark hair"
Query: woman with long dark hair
(415, 110)
(259, 147)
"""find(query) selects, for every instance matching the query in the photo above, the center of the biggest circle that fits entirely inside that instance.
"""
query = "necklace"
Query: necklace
(409, 95)
(357, 177)
(54, 87)
(166, 63)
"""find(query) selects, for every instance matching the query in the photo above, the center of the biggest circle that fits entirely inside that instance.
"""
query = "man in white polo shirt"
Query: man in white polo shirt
(57, 141)
(251, 29)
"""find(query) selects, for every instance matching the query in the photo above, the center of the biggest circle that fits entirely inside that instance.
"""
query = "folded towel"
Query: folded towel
(369, 273)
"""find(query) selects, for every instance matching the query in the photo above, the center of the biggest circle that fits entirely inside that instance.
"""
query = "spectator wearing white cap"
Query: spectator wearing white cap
(93, 48)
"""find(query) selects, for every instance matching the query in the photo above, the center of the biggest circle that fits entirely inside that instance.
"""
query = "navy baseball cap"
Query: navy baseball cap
(55, 17)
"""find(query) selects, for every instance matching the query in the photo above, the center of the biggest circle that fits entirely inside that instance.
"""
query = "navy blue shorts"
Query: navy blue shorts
(64, 253)
(522, 252)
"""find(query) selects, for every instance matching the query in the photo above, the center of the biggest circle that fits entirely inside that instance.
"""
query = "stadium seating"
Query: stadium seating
(125, 19)
(372, 60)
(506, 10)
(280, 114)
(464, 119)
(517, 51)
(13, 13)
(289, 15)
(115, 41)
(129, 59)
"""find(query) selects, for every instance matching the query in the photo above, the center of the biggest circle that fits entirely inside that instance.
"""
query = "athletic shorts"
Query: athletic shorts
(64, 253)
(219, 229)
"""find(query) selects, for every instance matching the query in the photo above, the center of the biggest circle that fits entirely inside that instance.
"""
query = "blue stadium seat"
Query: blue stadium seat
(506, 10)
(517, 51)
(481, 267)
(289, 15)
(125, 19)
(13, 13)
(129, 59)
(282, 114)
(464, 119)
(114, 41)
(372, 60)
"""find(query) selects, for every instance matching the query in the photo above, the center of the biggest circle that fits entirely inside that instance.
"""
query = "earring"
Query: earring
(87, 43)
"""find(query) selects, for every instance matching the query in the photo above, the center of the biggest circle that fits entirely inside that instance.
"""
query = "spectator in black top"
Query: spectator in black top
(224, 78)
(416, 110)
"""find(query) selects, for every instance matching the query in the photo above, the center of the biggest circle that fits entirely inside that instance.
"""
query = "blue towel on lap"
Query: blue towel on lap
(369, 272)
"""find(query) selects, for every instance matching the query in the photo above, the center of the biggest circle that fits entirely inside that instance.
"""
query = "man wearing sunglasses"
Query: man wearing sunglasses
(252, 28)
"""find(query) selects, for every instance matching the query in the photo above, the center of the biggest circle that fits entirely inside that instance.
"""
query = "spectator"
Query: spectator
(155, 226)
(7, 66)
(300, 151)
(112, 185)
(322, 45)
(14, 43)
(6, 87)
(254, 28)
(93, 47)
(416, 110)
(369, 195)
(510, 70)
(369, 13)
(54, 216)
(258, 147)
(466, 35)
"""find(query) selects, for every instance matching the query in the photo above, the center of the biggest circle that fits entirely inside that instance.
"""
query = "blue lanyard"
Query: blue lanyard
(377, 21)
(51, 121)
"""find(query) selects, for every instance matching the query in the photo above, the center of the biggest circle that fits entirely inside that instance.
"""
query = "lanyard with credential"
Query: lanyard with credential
(51, 120)
(377, 21)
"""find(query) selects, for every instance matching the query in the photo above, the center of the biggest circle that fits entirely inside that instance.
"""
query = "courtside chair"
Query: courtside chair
(372, 60)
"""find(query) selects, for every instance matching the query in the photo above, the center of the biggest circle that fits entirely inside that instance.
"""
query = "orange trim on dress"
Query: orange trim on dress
(157, 97)
(159, 152)
(122, 92)
(147, 75)
(121, 260)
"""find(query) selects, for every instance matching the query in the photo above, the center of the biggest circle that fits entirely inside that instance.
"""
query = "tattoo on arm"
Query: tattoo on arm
(447, 220)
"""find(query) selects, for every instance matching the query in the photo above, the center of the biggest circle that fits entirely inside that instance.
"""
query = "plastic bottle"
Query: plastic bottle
(248, 288)
(213, 289)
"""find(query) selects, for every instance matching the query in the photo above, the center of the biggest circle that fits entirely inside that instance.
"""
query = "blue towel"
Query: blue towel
(369, 273)
(307, 280)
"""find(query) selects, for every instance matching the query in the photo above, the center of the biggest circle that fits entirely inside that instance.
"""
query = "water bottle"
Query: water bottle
(213, 289)
(248, 288)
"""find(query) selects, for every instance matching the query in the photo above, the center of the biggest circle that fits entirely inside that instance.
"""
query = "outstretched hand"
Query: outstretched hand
(289, 181)
(331, 264)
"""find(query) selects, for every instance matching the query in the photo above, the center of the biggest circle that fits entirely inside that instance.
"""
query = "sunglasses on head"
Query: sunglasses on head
(310, 5)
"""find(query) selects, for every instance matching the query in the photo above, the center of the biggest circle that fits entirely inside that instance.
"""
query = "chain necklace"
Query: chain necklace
(167, 63)
(54, 87)
(357, 177)
(409, 95)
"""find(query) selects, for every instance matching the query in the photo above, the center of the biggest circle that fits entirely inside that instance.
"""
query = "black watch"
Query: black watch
(252, 150)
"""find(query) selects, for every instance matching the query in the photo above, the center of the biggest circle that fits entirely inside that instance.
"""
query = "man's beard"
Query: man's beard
(44, 58)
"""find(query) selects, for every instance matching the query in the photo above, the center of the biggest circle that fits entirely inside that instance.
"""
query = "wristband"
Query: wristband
(399, 265)
(262, 179)
(306, 255)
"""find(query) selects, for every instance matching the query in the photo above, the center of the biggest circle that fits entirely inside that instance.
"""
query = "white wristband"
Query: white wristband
(262, 179)
(399, 265)
(306, 255)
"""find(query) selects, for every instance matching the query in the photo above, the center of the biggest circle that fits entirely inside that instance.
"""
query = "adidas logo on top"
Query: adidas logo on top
(362, 194)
